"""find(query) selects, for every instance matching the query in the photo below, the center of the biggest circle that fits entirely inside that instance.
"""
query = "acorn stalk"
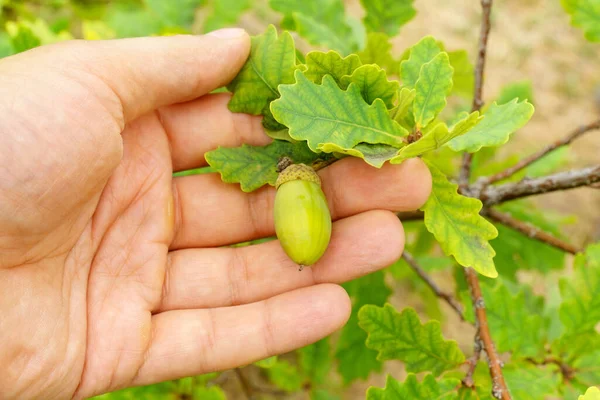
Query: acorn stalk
(302, 217)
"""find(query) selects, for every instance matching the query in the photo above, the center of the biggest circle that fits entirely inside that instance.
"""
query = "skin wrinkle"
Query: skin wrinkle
(118, 115)
(179, 217)
(237, 272)
(36, 361)
(255, 202)
(166, 284)
(152, 178)
(268, 330)
(146, 351)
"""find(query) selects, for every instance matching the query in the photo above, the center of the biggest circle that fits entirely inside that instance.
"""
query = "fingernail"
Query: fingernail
(227, 33)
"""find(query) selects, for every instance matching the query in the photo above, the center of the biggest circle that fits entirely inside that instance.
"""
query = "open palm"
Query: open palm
(112, 272)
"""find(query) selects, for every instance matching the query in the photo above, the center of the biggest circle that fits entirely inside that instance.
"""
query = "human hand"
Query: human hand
(111, 270)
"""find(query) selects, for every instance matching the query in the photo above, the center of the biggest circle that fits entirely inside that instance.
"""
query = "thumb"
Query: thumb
(147, 73)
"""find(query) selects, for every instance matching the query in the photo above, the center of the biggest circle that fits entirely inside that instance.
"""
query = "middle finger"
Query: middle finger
(201, 278)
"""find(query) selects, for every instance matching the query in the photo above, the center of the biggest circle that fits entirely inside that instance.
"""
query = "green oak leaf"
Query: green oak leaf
(421, 53)
(22, 37)
(359, 32)
(335, 37)
(319, 64)
(432, 87)
(402, 112)
(285, 376)
(321, 394)
(324, 11)
(400, 336)
(522, 90)
(580, 310)
(572, 347)
(208, 393)
(272, 62)
(495, 129)
(324, 113)
(387, 15)
(592, 393)
(586, 367)
(463, 78)
(25, 34)
(585, 14)
(527, 381)
(455, 221)
(174, 13)
(437, 137)
(518, 328)
(550, 163)
(315, 360)
(320, 22)
(96, 30)
(6, 48)
(476, 393)
(373, 84)
(133, 21)
(393, 390)
(412, 389)
(273, 128)
(516, 251)
(225, 13)
(267, 362)
(255, 166)
(157, 391)
(309, 7)
(378, 50)
(373, 154)
(355, 360)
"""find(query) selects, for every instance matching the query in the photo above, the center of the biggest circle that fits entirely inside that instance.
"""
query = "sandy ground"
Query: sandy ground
(533, 40)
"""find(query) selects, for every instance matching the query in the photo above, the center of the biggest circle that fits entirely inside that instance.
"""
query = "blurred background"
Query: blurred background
(533, 52)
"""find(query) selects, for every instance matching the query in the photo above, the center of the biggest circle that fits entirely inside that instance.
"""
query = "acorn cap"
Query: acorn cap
(297, 172)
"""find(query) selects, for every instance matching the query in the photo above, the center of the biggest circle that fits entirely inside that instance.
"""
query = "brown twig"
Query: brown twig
(499, 388)
(465, 173)
(548, 149)
(531, 231)
(447, 297)
(528, 187)
(566, 370)
(468, 381)
(486, 10)
(246, 387)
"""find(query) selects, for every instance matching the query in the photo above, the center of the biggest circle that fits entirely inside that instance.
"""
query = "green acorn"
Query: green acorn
(302, 218)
